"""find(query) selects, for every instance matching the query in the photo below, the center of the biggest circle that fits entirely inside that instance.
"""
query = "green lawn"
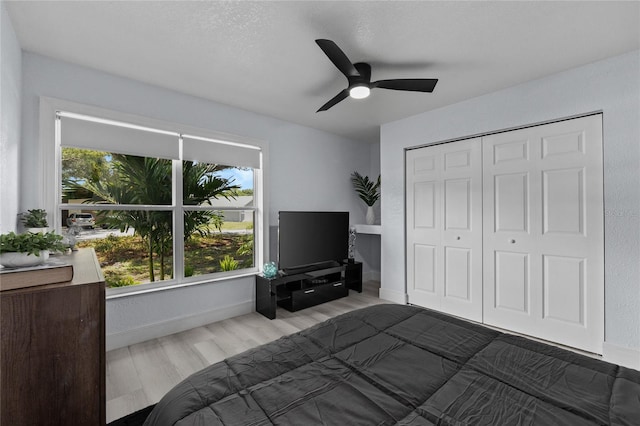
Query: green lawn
(124, 259)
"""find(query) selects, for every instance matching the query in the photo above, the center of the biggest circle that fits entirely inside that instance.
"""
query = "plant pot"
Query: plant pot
(371, 215)
(21, 260)
(37, 230)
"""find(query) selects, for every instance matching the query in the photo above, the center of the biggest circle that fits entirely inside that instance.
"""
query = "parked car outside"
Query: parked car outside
(83, 220)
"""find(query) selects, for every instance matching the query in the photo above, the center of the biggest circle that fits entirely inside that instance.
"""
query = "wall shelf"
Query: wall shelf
(368, 229)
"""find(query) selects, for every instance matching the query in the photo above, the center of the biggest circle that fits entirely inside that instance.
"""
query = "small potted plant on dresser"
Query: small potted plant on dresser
(28, 249)
(35, 220)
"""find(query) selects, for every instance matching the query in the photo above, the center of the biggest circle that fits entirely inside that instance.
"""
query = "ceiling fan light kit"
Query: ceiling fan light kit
(359, 77)
(359, 92)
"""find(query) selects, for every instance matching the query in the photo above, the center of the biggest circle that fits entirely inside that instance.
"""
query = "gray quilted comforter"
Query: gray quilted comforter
(403, 365)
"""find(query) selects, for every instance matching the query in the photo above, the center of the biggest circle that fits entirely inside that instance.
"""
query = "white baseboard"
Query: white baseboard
(393, 296)
(175, 325)
(371, 276)
(627, 357)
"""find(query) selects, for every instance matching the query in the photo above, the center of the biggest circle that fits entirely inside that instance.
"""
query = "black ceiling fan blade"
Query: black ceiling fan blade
(337, 98)
(409, 84)
(337, 56)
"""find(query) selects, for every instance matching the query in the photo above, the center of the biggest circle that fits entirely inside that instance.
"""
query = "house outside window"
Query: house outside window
(158, 207)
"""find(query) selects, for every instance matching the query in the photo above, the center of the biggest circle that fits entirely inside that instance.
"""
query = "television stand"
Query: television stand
(309, 268)
(295, 291)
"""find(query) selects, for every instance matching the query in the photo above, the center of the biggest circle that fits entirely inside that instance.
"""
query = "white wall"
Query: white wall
(308, 170)
(368, 245)
(611, 86)
(10, 88)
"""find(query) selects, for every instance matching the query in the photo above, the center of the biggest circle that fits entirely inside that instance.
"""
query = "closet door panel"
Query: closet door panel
(554, 188)
(457, 204)
(512, 282)
(461, 236)
(511, 202)
(564, 289)
(457, 273)
(510, 188)
(424, 268)
(423, 226)
(425, 204)
(510, 150)
(563, 195)
(444, 225)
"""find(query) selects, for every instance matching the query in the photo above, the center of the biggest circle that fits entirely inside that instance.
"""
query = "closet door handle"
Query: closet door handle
(309, 291)
(458, 237)
(512, 241)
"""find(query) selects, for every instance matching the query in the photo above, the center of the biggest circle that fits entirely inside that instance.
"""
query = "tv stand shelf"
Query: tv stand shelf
(305, 289)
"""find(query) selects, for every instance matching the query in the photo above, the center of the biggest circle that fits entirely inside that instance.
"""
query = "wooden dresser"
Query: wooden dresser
(52, 349)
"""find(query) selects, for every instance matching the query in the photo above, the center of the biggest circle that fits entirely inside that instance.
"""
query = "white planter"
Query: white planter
(37, 230)
(371, 215)
(21, 260)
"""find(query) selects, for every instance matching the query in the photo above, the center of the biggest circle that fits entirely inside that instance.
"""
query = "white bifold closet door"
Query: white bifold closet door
(507, 229)
(444, 228)
(543, 232)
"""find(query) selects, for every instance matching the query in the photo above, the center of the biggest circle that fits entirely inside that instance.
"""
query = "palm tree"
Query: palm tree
(147, 181)
(199, 186)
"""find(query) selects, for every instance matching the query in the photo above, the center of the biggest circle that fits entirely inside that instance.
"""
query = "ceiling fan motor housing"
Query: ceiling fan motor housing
(359, 86)
(364, 78)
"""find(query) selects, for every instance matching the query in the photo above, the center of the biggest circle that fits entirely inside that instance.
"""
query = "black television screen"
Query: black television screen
(307, 238)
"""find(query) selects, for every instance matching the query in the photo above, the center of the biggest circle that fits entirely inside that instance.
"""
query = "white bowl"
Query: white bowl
(21, 260)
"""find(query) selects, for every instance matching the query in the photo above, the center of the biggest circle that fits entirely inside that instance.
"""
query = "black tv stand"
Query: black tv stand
(309, 268)
(303, 289)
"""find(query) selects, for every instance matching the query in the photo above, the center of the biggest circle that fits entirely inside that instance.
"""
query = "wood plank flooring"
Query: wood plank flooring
(139, 375)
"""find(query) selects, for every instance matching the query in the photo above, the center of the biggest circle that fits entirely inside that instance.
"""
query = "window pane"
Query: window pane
(217, 185)
(133, 247)
(217, 241)
(111, 178)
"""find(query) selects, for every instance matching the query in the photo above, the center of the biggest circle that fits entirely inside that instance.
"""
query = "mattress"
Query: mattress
(403, 365)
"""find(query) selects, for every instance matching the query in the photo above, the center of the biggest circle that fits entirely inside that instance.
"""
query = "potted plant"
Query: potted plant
(368, 192)
(35, 220)
(29, 249)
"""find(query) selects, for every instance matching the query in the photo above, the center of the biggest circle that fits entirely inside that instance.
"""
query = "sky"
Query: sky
(243, 177)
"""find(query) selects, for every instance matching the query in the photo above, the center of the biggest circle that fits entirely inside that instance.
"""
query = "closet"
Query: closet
(507, 229)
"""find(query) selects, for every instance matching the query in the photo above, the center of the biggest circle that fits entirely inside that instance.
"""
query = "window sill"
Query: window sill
(120, 292)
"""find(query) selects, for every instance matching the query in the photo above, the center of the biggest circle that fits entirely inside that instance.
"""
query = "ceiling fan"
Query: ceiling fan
(359, 77)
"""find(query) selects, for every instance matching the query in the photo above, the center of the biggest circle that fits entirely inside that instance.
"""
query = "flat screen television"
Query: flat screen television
(306, 239)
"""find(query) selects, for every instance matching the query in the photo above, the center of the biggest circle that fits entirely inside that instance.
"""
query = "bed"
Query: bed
(403, 365)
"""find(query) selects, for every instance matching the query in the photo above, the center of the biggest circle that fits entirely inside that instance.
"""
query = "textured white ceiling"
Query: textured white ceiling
(261, 56)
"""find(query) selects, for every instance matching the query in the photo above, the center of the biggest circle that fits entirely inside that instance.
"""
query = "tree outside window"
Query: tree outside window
(131, 201)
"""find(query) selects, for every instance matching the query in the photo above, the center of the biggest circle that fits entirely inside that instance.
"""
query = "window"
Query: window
(158, 206)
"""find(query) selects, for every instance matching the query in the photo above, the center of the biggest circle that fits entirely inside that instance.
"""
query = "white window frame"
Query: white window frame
(52, 188)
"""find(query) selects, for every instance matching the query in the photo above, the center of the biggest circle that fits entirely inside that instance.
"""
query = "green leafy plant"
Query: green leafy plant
(246, 246)
(35, 218)
(228, 263)
(30, 243)
(367, 189)
(189, 270)
(122, 282)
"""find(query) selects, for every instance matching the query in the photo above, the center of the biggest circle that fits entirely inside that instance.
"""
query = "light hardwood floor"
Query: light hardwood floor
(139, 375)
